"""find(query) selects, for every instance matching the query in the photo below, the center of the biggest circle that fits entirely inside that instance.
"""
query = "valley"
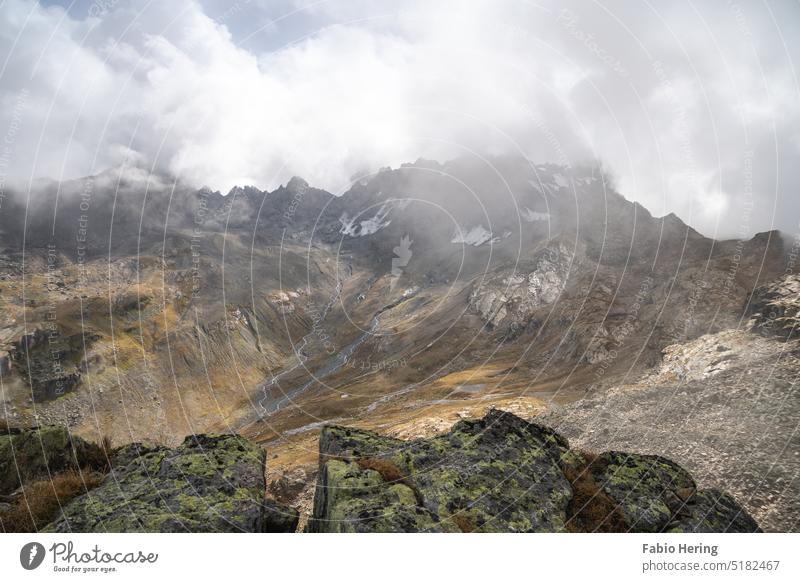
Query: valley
(143, 310)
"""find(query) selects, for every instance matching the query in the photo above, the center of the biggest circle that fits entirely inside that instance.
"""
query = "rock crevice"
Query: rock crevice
(503, 474)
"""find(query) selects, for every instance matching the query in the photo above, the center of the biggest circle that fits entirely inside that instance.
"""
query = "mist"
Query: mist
(692, 108)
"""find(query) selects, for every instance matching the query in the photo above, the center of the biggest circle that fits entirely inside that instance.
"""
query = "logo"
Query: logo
(31, 555)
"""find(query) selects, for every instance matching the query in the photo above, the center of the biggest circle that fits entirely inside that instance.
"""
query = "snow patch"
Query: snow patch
(365, 227)
(530, 216)
(475, 237)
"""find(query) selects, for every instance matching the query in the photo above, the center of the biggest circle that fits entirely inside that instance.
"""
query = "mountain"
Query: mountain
(142, 309)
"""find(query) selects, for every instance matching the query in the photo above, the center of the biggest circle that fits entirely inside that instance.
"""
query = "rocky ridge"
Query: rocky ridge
(423, 295)
(503, 474)
(499, 473)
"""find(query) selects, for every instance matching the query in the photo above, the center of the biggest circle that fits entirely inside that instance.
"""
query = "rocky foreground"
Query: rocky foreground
(725, 406)
(496, 474)
(210, 483)
(503, 474)
(207, 484)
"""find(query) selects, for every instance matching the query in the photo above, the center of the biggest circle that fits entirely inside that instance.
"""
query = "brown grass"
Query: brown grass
(590, 509)
(105, 445)
(41, 500)
(464, 523)
(390, 473)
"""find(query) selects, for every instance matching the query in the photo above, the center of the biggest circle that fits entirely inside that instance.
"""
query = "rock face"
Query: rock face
(51, 360)
(512, 299)
(39, 452)
(210, 483)
(775, 307)
(503, 474)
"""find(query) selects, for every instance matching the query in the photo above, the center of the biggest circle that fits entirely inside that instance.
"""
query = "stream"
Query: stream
(333, 365)
(271, 405)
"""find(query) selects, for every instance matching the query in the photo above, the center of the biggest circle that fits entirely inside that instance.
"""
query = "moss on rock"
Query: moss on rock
(712, 511)
(41, 452)
(499, 473)
(642, 486)
(210, 483)
(503, 474)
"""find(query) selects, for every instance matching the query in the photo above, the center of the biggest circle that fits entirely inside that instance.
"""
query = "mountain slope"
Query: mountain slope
(138, 307)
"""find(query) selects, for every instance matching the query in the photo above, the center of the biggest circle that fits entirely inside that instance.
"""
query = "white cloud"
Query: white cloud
(672, 103)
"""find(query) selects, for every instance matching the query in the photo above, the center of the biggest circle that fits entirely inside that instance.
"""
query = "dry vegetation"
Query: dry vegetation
(107, 448)
(590, 509)
(39, 502)
(464, 523)
(390, 473)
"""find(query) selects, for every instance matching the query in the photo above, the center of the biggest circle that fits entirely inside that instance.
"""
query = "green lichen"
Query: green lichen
(40, 452)
(211, 483)
(496, 474)
(478, 477)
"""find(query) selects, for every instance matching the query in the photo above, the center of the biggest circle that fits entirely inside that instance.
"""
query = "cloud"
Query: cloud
(694, 107)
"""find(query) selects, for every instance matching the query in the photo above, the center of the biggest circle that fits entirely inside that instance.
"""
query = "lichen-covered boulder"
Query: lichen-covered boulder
(645, 488)
(712, 511)
(499, 473)
(210, 483)
(503, 474)
(654, 494)
(33, 453)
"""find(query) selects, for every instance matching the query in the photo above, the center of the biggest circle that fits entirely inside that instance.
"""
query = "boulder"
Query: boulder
(499, 473)
(210, 483)
(27, 454)
(713, 511)
(643, 487)
(503, 474)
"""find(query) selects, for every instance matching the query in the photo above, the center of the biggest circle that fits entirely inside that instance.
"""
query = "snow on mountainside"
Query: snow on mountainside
(423, 294)
(475, 236)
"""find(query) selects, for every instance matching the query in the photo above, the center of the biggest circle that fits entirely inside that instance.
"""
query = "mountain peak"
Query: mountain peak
(296, 183)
